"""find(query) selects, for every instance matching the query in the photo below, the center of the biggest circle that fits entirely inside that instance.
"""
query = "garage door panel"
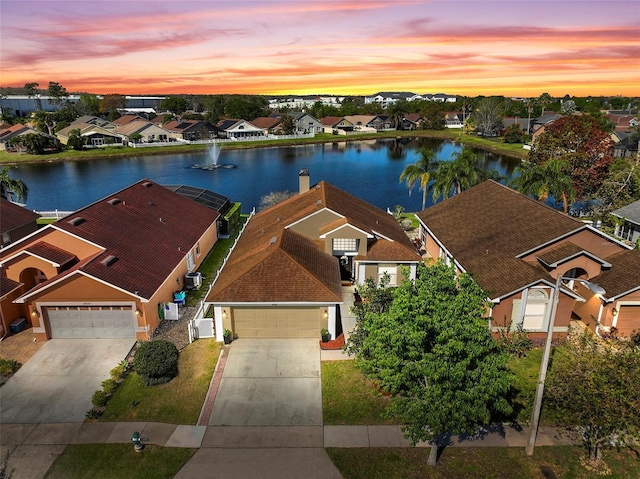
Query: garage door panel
(628, 319)
(277, 322)
(104, 322)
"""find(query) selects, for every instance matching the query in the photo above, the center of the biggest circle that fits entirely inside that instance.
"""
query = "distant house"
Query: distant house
(523, 123)
(149, 132)
(412, 121)
(94, 132)
(332, 124)
(124, 119)
(629, 228)
(515, 248)
(441, 98)
(625, 144)
(453, 119)
(13, 131)
(622, 121)
(107, 270)
(306, 123)
(239, 129)
(271, 124)
(190, 130)
(387, 98)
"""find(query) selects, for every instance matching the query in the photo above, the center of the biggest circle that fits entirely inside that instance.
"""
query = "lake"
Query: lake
(368, 169)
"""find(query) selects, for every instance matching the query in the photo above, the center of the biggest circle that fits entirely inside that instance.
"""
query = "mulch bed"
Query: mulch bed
(337, 343)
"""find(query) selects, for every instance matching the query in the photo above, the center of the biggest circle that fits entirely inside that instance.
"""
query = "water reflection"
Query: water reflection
(369, 169)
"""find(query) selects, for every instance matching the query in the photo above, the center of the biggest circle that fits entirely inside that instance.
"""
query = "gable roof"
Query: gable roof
(13, 216)
(271, 262)
(622, 278)
(125, 119)
(145, 231)
(486, 227)
(630, 212)
(266, 122)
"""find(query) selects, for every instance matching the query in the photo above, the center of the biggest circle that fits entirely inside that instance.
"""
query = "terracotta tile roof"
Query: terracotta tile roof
(270, 257)
(13, 216)
(145, 228)
(51, 253)
(7, 285)
(487, 226)
(624, 275)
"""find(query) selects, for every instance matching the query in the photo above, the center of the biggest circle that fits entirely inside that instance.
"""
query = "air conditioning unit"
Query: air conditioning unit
(193, 280)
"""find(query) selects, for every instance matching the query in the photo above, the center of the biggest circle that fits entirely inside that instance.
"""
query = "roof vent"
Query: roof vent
(78, 220)
(109, 260)
(147, 184)
(318, 203)
(273, 240)
(114, 201)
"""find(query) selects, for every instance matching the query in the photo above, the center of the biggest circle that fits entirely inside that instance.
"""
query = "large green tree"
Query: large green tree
(31, 90)
(595, 386)
(57, 93)
(11, 188)
(488, 116)
(581, 141)
(89, 104)
(453, 177)
(420, 172)
(175, 104)
(431, 349)
(552, 178)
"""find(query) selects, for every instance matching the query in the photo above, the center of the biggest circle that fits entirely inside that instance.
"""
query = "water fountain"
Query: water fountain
(214, 153)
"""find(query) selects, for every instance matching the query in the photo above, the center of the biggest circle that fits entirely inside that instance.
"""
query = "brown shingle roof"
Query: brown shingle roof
(487, 226)
(149, 231)
(559, 252)
(7, 285)
(624, 275)
(13, 216)
(271, 262)
(266, 122)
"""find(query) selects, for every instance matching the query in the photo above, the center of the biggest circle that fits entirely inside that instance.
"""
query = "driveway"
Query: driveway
(57, 383)
(270, 382)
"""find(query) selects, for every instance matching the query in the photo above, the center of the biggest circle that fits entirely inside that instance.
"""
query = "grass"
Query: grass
(348, 398)
(106, 461)
(477, 463)
(177, 402)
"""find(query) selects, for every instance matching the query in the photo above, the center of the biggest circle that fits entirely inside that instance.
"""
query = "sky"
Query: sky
(342, 47)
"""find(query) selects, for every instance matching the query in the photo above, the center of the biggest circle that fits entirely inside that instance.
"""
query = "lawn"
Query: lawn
(348, 398)
(117, 461)
(477, 463)
(177, 402)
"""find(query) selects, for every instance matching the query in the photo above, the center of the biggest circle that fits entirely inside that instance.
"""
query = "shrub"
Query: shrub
(118, 372)
(515, 342)
(9, 366)
(93, 414)
(156, 362)
(109, 386)
(99, 398)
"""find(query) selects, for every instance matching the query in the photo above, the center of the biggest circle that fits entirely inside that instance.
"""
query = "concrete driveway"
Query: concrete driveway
(57, 383)
(270, 382)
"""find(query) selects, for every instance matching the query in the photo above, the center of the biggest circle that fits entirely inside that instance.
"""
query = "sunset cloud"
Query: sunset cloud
(518, 47)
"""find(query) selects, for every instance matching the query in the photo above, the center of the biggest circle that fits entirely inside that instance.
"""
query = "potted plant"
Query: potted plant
(326, 336)
(226, 334)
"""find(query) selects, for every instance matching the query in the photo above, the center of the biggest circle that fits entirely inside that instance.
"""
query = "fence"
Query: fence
(199, 321)
(55, 214)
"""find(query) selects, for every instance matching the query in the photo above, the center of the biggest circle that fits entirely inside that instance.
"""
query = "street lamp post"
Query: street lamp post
(537, 403)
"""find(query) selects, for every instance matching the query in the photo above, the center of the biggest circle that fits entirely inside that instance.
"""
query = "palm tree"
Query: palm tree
(453, 177)
(549, 179)
(10, 186)
(420, 171)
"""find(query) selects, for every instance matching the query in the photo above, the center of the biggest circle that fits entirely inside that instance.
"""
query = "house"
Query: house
(515, 248)
(107, 270)
(94, 132)
(13, 131)
(625, 144)
(149, 132)
(412, 121)
(305, 123)
(387, 98)
(190, 130)
(284, 278)
(544, 120)
(629, 227)
(454, 119)
(16, 222)
(125, 119)
(523, 123)
(331, 124)
(441, 98)
(273, 125)
(366, 123)
(239, 129)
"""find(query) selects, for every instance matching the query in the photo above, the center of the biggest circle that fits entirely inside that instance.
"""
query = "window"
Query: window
(533, 317)
(345, 244)
(6, 238)
(197, 250)
(191, 264)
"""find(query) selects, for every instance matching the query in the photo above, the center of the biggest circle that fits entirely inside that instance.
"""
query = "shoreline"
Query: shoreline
(6, 159)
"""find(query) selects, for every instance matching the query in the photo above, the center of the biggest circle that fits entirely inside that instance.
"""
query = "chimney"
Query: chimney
(303, 180)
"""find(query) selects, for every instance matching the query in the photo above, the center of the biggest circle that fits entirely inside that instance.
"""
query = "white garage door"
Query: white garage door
(628, 319)
(103, 322)
(277, 322)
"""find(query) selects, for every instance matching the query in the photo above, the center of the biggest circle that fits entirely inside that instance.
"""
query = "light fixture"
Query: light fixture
(614, 312)
(35, 313)
(138, 312)
(224, 314)
(326, 314)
